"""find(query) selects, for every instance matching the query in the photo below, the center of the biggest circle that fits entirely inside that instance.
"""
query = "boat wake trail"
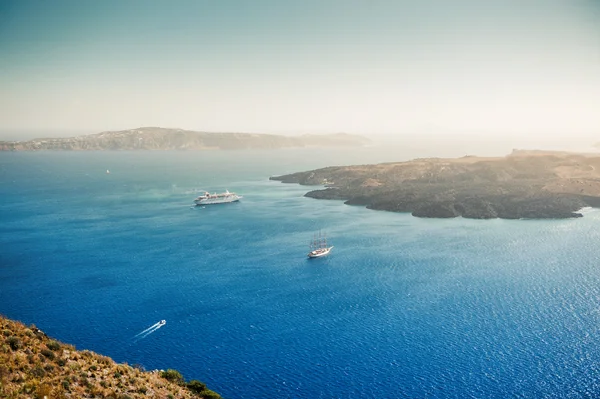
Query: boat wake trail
(149, 330)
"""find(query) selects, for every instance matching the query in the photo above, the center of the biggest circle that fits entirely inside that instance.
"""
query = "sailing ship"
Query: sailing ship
(319, 246)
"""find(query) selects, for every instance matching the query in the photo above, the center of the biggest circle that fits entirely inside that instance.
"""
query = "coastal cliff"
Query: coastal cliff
(32, 365)
(524, 184)
(156, 138)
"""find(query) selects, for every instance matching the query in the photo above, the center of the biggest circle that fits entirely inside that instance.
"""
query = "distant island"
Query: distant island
(33, 365)
(157, 138)
(524, 184)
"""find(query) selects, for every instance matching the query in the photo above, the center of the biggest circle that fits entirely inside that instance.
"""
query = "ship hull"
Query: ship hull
(216, 201)
(317, 253)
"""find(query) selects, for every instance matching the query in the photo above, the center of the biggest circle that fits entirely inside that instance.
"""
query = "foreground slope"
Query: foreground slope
(156, 138)
(524, 184)
(34, 366)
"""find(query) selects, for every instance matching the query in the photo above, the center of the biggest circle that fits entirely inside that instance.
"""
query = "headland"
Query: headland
(522, 185)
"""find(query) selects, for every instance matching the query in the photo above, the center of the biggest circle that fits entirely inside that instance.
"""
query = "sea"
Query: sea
(97, 247)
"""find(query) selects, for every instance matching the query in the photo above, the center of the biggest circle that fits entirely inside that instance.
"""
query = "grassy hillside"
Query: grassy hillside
(32, 365)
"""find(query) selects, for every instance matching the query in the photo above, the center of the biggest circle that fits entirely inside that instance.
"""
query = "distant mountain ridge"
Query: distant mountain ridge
(157, 138)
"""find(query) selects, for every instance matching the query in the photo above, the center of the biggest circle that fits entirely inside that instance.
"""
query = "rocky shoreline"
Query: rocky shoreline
(522, 185)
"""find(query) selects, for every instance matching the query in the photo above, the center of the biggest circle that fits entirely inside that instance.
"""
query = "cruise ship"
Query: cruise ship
(222, 198)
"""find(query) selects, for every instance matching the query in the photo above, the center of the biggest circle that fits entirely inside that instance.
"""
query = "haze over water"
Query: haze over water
(403, 307)
(492, 69)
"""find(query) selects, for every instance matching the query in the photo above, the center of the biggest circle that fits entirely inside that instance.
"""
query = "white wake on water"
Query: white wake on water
(149, 330)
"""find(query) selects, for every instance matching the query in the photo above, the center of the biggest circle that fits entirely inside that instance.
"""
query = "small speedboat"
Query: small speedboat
(162, 322)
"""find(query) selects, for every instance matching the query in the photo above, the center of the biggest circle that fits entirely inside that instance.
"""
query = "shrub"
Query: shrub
(48, 353)
(196, 386)
(85, 382)
(61, 362)
(139, 367)
(74, 366)
(38, 371)
(173, 376)
(53, 345)
(14, 342)
(43, 391)
(95, 392)
(208, 394)
(29, 387)
(104, 360)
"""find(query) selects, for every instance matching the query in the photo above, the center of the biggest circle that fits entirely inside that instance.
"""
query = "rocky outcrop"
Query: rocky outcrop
(155, 138)
(32, 365)
(524, 184)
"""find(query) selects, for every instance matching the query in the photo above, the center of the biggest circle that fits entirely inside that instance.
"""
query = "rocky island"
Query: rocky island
(524, 184)
(157, 138)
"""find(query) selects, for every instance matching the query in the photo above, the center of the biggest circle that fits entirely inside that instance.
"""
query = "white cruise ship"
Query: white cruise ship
(222, 198)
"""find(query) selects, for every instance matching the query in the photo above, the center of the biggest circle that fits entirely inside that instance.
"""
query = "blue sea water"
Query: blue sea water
(402, 308)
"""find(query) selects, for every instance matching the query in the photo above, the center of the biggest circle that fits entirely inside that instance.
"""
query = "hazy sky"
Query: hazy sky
(294, 66)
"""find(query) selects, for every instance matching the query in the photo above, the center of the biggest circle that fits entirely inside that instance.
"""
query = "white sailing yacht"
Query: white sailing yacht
(318, 246)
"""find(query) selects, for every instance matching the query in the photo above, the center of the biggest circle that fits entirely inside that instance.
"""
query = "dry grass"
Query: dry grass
(32, 365)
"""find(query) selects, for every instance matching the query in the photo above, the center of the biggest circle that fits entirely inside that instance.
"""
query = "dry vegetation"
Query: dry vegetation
(32, 365)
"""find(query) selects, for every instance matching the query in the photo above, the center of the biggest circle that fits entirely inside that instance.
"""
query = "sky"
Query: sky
(366, 67)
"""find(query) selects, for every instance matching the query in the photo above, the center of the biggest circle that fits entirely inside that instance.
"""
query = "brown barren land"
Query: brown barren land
(524, 184)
